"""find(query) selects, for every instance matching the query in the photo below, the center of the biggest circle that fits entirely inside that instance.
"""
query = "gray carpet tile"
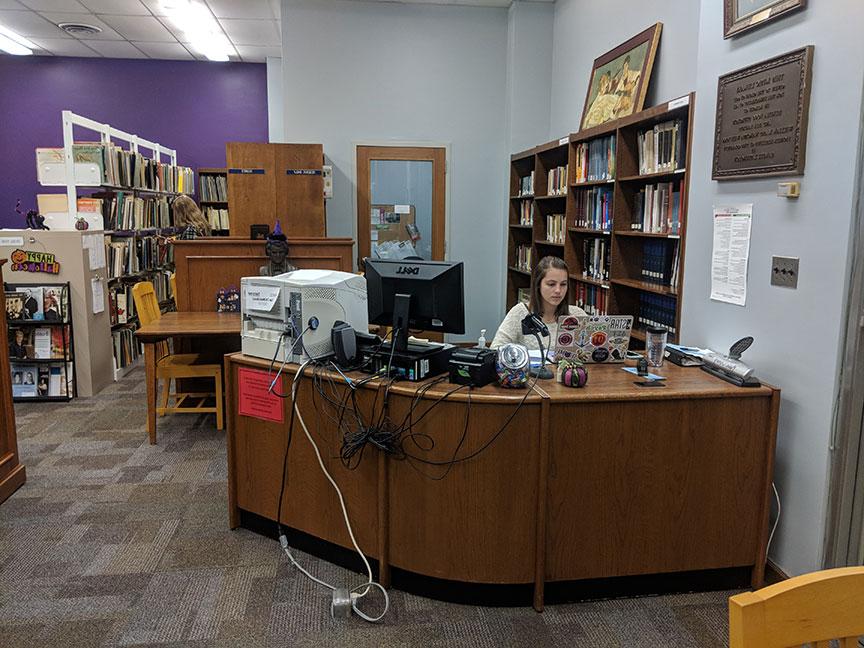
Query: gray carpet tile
(114, 542)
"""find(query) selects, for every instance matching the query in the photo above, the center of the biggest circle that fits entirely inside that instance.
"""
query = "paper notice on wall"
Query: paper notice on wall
(95, 246)
(261, 298)
(730, 254)
(254, 397)
(402, 209)
(98, 295)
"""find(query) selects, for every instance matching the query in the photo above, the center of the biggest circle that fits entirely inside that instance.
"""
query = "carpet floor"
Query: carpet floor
(114, 542)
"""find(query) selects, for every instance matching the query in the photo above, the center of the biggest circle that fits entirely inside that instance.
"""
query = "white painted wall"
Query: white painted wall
(275, 100)
(585, 29)
(797, 332)
(529, 74)
(357, 71)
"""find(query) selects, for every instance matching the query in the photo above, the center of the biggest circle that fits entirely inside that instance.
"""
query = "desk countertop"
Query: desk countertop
(191, 323)
(605, 383)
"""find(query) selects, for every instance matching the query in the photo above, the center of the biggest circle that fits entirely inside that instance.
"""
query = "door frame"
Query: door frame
(400, 144)
(843, 540)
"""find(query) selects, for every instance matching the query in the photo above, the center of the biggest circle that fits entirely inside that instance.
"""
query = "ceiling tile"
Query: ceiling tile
(106, 34)
(116, 7)
(140, 28)
(252, 32)
(276, 8)
(69, 6)
(115, 49)
(255, 9)
(155, 7)
(256, 54)
(64, 47)
(11, 4)
(28, 23)
(165, 51)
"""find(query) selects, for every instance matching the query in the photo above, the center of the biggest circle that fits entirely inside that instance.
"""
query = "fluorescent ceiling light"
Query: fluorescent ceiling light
(14, 43)
(200, 28)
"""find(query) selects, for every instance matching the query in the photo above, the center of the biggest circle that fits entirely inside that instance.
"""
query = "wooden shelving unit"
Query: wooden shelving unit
(622, 290)
(213, 195)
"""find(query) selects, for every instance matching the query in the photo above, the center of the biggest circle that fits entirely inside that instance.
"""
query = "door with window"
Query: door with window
(400, 202)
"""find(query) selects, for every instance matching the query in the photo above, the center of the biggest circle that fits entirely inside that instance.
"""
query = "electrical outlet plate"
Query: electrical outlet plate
(784, 271)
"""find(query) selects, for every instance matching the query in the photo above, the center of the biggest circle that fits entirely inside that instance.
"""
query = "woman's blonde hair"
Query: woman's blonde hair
(186, 213)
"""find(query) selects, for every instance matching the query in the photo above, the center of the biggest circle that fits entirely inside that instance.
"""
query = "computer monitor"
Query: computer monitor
(407, 294)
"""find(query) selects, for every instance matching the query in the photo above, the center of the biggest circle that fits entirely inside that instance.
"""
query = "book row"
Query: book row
(526, 212)
(213, 188)
(593, 208)
(526, 185)
(109, 164)
(657, 311)
(217, 218)
(660, 147)
(556, 226)
(595, 160)
(125, 211)
(126, 349)
(524, 257)
(594, 300)
(42, 380)
(660, 262)
(556, 182)
(133, 254)
(657, 209)
(595, 258)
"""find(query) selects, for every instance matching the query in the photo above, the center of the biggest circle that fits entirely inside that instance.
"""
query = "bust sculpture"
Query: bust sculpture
(276, 249)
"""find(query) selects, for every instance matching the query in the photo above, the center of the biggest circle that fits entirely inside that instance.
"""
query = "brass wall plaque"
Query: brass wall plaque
(761, 122)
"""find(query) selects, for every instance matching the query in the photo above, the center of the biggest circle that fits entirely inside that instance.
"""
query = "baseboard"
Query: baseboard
(773, 574)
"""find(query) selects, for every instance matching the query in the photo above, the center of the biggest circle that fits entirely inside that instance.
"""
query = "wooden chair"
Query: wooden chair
(813, 608)
(172, 366)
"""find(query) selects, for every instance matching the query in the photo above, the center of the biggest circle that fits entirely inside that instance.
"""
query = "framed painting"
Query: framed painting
(742, 15)
(619, 79)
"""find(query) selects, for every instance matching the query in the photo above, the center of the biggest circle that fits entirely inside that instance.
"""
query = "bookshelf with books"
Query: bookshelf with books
(40, 341)
(213, 198)
(624, 218)
(521, 224)
(133, 193)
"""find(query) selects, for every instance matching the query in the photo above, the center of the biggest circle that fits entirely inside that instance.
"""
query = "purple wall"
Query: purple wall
(191, 106)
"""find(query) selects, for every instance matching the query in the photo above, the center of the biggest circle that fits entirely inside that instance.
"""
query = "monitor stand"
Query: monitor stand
(401, 310)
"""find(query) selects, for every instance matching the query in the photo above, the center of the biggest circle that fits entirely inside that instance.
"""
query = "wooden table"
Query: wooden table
(188, 324)
(606, 481)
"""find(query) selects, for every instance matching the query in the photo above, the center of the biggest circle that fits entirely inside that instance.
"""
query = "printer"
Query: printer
(277, 311)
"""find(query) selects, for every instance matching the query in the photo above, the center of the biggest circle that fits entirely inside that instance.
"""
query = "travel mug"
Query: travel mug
(655, 346)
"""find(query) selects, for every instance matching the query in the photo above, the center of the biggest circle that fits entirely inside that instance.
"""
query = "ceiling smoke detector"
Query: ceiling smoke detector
(79, 29)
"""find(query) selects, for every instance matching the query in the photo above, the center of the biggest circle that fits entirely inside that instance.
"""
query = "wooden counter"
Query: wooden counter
(609, 480)
(204, 265)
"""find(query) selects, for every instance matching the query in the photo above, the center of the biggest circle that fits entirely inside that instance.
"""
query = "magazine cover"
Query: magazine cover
(21, 343)
(24, 380)
(15, 306)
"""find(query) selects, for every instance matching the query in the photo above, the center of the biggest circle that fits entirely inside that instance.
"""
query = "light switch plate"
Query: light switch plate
(784, 271)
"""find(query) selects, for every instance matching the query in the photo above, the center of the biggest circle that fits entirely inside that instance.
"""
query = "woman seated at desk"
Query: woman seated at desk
(548, 299)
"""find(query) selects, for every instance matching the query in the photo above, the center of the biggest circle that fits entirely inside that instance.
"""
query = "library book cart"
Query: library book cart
(612, 202)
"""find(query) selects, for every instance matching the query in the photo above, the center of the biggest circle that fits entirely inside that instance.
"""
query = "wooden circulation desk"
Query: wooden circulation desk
(609, 480)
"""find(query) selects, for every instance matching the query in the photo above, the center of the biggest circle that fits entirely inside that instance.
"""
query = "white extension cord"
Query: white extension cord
(339, 606)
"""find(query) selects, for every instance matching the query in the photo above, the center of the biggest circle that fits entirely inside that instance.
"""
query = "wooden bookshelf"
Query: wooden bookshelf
(213, 196)
(629, 253)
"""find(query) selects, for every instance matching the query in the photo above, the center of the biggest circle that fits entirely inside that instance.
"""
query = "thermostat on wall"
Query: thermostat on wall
(789, 189)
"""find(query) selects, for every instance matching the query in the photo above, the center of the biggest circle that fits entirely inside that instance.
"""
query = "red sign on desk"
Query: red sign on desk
(253, 397)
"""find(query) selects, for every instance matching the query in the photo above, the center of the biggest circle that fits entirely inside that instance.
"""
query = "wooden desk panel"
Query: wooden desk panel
(12, 472)
(646, 487)
(610, 480)
(206, 264)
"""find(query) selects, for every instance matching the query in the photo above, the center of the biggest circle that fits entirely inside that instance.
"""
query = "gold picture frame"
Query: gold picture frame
(740, 16)
(619, 79)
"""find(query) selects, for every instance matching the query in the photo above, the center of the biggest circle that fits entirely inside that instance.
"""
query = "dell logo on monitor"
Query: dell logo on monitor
(406, 270)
